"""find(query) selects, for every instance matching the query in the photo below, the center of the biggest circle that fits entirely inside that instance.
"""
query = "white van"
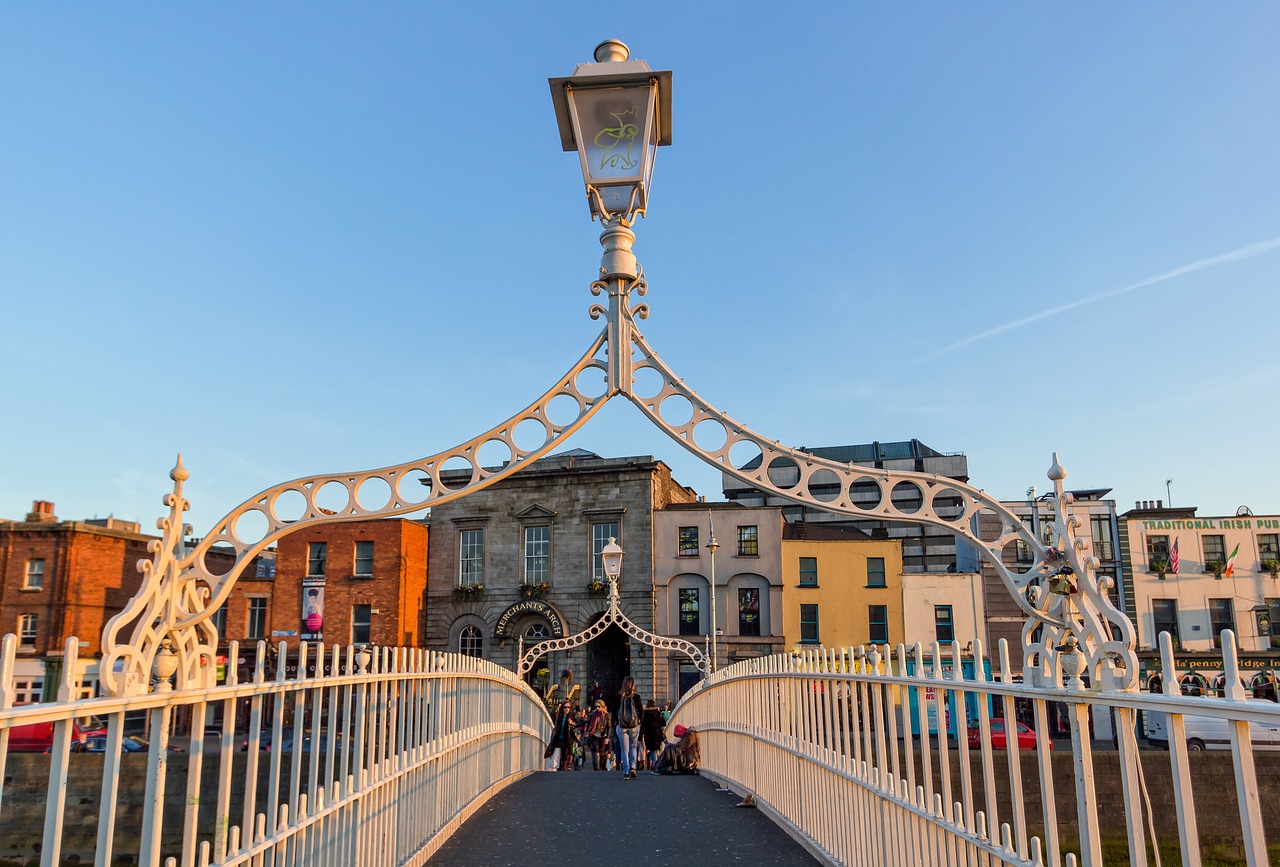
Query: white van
(1209, 733)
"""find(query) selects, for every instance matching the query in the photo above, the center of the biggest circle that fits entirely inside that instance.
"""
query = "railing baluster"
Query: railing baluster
(1176, 731)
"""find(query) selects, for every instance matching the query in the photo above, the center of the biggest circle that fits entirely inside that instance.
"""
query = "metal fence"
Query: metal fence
(837, 746)
(344, 756)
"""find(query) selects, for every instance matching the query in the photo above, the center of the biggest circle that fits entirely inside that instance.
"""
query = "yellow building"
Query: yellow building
(840, 587)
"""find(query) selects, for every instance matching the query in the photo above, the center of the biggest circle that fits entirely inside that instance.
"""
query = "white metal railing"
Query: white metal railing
(375, 757)
(835, 745)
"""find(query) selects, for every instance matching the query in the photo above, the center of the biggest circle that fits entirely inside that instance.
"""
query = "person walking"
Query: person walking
(598, 735)
(652, 730)
(630, 714)
(560, 758)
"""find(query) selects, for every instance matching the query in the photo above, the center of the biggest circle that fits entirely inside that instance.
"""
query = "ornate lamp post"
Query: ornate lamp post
(712, 547)
(611, 555)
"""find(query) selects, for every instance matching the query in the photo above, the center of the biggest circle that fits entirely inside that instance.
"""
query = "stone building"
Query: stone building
(517, 560)
(748, 585)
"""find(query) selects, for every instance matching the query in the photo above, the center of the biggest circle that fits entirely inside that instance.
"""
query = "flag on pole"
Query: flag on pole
(1231, 562)
(1173, 557)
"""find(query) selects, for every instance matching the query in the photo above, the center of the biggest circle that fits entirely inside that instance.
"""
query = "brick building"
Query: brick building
(60, 579)
(544, 528)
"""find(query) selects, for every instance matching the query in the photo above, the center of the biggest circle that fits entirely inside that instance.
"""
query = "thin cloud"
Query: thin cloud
(1234, 256)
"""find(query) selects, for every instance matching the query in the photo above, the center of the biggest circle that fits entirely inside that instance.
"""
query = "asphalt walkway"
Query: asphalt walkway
(583, 818)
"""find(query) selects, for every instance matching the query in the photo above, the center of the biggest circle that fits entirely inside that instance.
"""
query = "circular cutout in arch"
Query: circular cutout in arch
(493, 454)
(591, 382)
(530, 435)
(784, 472)
(647, 383)
(865, 493)
(824, 485)
(563, 410)
(414, 487)
(745, 455)
(289, 506)
(710, 435)
(456, 473)
(948, 504)
(373, 494)
(907, 498)
(251, 527)
(676, 411)
(332, 498)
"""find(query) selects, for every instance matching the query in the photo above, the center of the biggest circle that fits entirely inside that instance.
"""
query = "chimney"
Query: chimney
(41, 513)
(1137, 504)
(1159, 504)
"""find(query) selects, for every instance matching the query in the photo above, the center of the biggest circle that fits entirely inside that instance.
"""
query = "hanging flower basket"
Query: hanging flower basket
(534, 591)
(1272, 566)
(466, 592)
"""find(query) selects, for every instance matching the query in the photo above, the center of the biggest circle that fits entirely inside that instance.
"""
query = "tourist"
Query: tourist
(652, 726)
(561, 744)
(598, 736)
(630, 713)
(681, 757)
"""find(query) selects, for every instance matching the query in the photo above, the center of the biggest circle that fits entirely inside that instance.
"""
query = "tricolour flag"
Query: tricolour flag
(1173, 557)
(1231, 562)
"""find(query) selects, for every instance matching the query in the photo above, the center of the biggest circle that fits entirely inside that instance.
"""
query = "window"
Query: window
(364, 560)
(690, 611)
(1103, 544)
(266, 568)
(808, 624)
(875, 571)
(808, 571)
(28, 627)
(1215, 550)
(471, 641)
(35, 575)
(219, 620)
(471, 557)
(1273, 607)
(317, 552)
(1157, 550)
(1164, 618)
(361, 623)
(878, 622)
(1221, 616)
(256, 622)
(944, 627)
(537, 555)
(28, 691)
(748, 542)
(1268, 546)
(600, 536)
(688, 541)
(1022, 551)
(748, 611)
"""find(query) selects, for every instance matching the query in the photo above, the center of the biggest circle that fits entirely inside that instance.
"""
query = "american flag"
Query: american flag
(1173, 557)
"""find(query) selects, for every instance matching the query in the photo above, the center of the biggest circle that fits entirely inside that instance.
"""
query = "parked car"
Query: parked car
(1026, 737)
(129, 744)
(1210, 733)
(286, 740)
(38, 737)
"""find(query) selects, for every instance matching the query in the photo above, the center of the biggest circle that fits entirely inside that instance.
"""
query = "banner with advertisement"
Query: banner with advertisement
(312, 610)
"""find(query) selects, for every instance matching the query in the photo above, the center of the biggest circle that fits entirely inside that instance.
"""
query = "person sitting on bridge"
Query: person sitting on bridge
(681, 757)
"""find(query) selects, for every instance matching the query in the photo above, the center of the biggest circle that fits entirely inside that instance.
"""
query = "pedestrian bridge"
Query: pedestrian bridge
(390, 757)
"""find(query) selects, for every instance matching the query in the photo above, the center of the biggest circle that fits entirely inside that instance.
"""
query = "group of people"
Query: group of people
(628, 735)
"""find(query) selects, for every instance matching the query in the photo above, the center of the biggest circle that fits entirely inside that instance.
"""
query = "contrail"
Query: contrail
(1234, 256)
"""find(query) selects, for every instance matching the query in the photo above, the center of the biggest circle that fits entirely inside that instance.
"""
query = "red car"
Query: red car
(1026, 737)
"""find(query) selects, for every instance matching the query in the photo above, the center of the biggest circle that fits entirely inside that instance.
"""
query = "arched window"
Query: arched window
(471, 641)
(537, 632)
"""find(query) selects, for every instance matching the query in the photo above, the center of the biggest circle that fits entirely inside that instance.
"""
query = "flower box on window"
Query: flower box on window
(534, 591)
(598, 587)
(468, 591)
(1217, 567)
(1271, 566)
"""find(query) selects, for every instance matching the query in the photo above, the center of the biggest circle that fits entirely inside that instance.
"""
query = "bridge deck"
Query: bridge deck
(587, 817)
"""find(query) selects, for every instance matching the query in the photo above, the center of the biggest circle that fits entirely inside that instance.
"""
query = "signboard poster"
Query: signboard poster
(312, 611)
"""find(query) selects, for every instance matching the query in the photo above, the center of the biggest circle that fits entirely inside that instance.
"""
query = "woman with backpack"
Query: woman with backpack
(630, 714)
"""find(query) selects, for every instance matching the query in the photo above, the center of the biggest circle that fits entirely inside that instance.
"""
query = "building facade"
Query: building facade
(748, 587)
(519, 562)
(841, 587)
(1195, 577)
(60, 579)
(924, 548)
(942, 607)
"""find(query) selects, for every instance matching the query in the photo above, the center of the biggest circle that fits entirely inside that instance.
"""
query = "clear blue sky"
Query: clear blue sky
(297, 238)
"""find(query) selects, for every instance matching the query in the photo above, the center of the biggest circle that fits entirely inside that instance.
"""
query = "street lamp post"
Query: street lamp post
(713, 546)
